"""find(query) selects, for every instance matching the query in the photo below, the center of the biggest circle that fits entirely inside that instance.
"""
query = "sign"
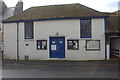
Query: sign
(93, 45)
(53, 47)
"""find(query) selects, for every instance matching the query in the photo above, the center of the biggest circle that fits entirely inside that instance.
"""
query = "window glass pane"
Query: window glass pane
(38, 44)
(28, 30)
(85, 28)
(73, 44)
(70, 44)
(43, 44)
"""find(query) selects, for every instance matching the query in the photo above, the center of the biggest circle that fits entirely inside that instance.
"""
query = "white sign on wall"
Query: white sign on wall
(53, 47)
(92, 44)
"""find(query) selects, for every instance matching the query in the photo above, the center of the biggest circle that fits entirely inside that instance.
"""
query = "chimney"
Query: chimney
(4, 6)
(18, 7)
(20, 1)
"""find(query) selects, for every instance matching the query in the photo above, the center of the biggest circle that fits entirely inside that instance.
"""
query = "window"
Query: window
(41, 44)
(92, 45)
(28, 30)
(85, 28)
(73, 44)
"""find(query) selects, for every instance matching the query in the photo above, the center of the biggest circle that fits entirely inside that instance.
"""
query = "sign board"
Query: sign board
(92, 44)
(53, 47)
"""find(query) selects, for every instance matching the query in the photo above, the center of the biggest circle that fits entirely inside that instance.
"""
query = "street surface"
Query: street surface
(60, 69)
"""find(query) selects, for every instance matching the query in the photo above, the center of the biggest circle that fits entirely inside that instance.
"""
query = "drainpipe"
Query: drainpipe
(105, 39)
(2, 40)
(18, 41)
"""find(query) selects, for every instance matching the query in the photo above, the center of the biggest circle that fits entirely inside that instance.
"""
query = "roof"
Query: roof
(56, 11)
(109, 13)
(117, 12)
(112, 23)
(7, 12)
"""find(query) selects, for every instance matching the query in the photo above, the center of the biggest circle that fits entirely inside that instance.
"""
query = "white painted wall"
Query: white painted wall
(68, 28)
(10, 41)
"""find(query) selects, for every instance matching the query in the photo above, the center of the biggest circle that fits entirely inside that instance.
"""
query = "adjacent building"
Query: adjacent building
(113, 35)
(6, 12)
(56, 32)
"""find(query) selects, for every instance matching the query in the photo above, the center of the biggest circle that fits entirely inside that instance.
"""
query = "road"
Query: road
(61, 70)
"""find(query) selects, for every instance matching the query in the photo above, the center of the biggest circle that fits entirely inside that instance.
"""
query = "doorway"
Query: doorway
(114, 48)
(57, 47)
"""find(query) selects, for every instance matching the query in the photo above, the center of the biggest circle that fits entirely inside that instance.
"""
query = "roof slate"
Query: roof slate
(56, 11)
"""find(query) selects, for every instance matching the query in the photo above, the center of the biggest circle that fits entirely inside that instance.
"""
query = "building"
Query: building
(6, 12)
(113, 35)
(56, 32)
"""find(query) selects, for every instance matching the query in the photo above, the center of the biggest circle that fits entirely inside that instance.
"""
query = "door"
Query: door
(114, 47)
(57, 47)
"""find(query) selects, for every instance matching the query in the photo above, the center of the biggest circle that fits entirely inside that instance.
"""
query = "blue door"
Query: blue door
(57, 47)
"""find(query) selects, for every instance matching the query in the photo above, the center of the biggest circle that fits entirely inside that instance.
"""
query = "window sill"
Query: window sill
(93, 50)
(41, 49)
(28, 39)
(85, 37)
(72, 49)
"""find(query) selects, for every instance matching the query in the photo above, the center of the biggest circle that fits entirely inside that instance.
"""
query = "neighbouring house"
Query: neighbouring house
(6, 12)
(56, 32)
(113, 35)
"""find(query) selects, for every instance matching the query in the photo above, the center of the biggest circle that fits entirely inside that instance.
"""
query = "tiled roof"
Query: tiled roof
(56, 11)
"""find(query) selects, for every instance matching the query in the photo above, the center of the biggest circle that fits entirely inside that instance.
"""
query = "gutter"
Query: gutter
(59, 18)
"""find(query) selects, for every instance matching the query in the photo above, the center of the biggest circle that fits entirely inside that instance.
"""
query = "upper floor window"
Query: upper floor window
(85, 28)
(29, 30)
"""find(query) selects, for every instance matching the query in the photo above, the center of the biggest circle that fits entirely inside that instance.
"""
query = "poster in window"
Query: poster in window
(43, 44)
(53, 47)
(75, 45)
(39, 44)
(70, 45)
(93, 44)
(38, 47)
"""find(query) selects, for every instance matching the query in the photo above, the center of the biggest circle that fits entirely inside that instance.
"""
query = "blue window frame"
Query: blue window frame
(85, 28)
(29, 30)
